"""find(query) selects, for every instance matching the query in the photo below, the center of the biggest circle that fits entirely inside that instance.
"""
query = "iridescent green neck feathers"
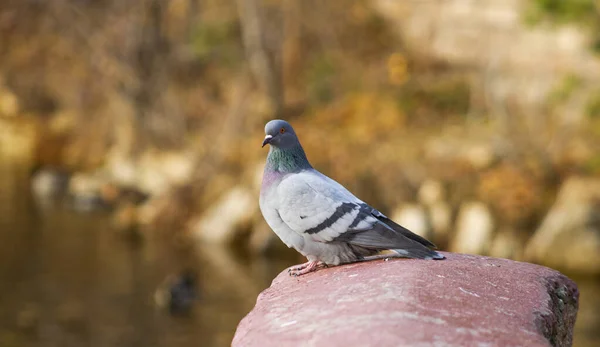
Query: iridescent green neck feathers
(292, 159)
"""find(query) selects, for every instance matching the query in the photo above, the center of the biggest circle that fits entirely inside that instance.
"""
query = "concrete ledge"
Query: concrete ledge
(464, 300)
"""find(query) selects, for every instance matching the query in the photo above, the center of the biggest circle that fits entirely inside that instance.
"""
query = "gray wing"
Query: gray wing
(321, 209)
(314, 207)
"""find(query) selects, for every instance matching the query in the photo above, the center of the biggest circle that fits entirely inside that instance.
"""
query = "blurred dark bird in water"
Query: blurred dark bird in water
(178, 293)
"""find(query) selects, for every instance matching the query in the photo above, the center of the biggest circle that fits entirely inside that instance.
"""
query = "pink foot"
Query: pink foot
(305, 268)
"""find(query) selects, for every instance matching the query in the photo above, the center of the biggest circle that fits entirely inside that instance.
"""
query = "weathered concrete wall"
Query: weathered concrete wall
(462, 301)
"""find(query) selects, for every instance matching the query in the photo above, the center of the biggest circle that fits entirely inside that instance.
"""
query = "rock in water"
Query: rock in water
(85, 191)
(440, 215)
(463, 301)
(569, 236)
(48, 184)
(431, 192)
(475, 227)
(227, 218)
(413, 218)
(507, 244)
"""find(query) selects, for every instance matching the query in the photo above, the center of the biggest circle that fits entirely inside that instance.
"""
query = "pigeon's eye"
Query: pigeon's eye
(282, 130)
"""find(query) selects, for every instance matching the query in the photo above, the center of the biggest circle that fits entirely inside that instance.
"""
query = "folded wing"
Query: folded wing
(321, 209)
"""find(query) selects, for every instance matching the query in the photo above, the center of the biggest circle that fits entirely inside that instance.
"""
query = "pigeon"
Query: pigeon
(321, 219)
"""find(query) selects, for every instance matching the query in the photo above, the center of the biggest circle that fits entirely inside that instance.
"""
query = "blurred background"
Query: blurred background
(130, 159)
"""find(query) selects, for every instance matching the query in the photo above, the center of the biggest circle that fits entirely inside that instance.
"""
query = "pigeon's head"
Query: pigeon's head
(279, 133)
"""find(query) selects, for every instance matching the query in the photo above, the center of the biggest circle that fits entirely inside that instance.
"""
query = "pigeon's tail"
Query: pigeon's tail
(381, 241)
(418, 253)
(425, 253)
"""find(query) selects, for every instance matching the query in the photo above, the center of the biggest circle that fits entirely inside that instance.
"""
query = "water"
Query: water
(66, 279)
(587, 328)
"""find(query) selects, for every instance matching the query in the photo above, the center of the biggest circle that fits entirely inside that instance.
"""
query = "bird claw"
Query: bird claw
(305, 268)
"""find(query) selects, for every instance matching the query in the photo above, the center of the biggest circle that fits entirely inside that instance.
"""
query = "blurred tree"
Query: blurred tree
(262, 54)
(152, 69)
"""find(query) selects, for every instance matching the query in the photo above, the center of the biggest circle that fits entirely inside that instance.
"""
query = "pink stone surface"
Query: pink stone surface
(465, 300)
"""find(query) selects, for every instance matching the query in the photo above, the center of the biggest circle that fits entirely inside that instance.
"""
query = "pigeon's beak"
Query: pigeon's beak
(267, 140)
